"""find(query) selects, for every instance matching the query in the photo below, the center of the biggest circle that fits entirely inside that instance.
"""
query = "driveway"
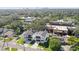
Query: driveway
(66, 47)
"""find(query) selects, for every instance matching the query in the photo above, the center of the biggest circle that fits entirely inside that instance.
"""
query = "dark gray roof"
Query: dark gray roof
(4, 30)
(1, 30)
(44, 33)
(28, 32)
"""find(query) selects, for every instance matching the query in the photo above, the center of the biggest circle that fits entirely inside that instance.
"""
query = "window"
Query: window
(38, 38)
(29, 36)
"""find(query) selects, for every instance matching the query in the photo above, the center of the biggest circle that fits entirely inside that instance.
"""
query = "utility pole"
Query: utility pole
(23, 47)
(3, 39)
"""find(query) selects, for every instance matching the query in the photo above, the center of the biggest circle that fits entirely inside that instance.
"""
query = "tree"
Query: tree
(54, 44)
(72, 40)
(76, 48)
(21, 41)
(76, 30)
(37, 24)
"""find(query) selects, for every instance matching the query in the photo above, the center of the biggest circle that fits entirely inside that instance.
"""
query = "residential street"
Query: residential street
(19, 47)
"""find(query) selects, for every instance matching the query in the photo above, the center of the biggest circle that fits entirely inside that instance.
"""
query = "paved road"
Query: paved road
(19, 47)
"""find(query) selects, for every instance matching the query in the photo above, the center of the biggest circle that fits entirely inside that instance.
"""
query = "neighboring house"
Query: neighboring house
(9, 33)
(27, 36)
(64, 39)
(29, 20)
(6, 32)
(40, 36)
(59, 26)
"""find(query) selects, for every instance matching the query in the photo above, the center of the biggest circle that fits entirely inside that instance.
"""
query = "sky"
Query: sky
(39, 3)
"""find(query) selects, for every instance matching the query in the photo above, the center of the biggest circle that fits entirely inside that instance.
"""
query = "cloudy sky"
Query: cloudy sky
(40, 3)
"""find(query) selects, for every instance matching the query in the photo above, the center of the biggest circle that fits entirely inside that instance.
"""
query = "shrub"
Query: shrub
(32, 42)
(76, 48)
(7, 48)
(10, 49)
(45, 44)
(1, 38)
(72, 40)
(13, 49)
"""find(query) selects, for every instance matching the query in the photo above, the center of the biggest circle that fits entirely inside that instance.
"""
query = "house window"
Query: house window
(29, 37)
(38, 38)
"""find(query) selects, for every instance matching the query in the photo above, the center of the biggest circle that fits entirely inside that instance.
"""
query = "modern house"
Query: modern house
(40, 36)
(27, 36)
(28, 20)
(60, 26)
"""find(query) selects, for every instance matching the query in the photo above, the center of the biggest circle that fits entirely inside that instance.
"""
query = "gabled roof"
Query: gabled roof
(42, 33)
(4, 31)
(28, 32)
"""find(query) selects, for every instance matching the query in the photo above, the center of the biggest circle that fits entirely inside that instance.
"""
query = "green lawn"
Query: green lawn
(20, 40)
(7, 39)
(1, 38)
(10, 49)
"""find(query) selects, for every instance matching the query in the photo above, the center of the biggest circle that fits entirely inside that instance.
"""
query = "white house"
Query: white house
(27, 36)
(28, 20)
(40, 36)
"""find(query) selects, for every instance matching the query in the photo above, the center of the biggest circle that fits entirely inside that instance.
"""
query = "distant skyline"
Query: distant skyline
(39, 7)
(15, 4)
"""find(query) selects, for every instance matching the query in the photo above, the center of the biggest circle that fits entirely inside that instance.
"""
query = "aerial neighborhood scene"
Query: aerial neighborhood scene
(39, 29)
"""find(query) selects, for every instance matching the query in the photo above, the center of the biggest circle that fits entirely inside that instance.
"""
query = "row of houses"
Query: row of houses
(54, 27)
(39, 37)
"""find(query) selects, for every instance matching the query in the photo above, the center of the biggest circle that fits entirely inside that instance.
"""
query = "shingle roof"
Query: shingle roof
(5, 31)
(28, 32)
(42, 33)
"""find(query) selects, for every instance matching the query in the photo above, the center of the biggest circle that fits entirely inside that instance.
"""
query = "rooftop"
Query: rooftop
(43, 33)
(61, 23)
(29, 19)
(28, 32)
